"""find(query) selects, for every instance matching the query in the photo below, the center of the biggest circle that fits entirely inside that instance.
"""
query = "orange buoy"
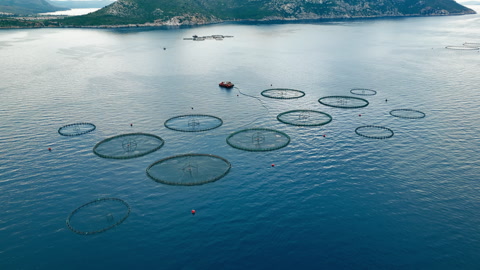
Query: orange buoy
(193, 211)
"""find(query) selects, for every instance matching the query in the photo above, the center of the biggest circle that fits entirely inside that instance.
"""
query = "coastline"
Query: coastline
(54, 21)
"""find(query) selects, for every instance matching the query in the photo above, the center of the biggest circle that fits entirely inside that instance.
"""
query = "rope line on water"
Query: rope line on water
(257, 98)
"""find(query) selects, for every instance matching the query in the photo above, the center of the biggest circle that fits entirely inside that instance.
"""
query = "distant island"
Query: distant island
(25, 7)
(138, 13)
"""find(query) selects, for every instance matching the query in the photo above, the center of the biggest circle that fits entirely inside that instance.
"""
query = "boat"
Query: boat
(226, 84)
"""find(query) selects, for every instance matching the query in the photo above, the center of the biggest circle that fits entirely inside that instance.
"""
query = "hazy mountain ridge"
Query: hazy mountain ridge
(27, 6)
(193, 12)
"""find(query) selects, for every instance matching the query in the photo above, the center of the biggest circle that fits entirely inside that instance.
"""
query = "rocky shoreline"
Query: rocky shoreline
(178, 21)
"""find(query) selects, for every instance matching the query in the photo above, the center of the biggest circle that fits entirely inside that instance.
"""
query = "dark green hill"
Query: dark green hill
(27, 7)
(192, 12)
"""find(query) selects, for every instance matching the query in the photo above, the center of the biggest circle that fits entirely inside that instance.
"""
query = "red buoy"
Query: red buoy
(49, 149)
(273, 165)
(193, 211)
(359, 115)
(324, 135)
(131, 124)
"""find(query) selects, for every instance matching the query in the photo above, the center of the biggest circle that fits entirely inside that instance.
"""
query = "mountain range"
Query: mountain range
(194, 12)
(25, 7)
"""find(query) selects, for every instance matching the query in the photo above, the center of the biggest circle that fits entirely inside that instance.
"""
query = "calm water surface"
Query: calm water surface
(336, 202)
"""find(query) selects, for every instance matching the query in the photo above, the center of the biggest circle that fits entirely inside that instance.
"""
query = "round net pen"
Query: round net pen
(258, 139)
(345, 102)
(98, 216)
(189, 169)
(363, 91)
(304, 118)
(76, 129)
(462, 48)
(407, 113)
(282, 93)
(193, 122)
(374, 132)
(127, 146)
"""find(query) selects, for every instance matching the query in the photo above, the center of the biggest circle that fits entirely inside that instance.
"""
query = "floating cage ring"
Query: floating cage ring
(189, 169)
(346, 102)
(462, 48)
(109, 219)
(363, 91)
(76, 129)
(193, 122)
(282, 93)
(407, 113)
(258, 139)
(374, 132)
(304, 118)
(130, 145)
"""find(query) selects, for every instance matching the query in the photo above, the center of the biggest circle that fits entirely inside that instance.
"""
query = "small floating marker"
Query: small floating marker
(359, 115)
(386, 100)
(131, 124)
(193, 211)
(49, 149)
(324, 135)
(192, 108)
(273, 165)
(164, 48)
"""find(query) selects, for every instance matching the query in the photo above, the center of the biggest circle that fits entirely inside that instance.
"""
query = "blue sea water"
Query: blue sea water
(338, 201)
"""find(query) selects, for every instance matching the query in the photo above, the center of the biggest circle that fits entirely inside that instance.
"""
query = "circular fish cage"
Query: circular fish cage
(374, 132)
(76, 129)
(189, 169)
(407, 113)
(98, 216)
(127, 146)
(345, 102)
(363, 91)
(193, 122)
(258, 139)
(282, 93)
(462, 48)
(304, 118)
